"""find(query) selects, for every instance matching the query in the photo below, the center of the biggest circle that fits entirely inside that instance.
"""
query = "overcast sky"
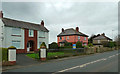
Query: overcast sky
(90, 17)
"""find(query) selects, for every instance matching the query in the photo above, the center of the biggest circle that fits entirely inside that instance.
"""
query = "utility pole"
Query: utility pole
(112, 35)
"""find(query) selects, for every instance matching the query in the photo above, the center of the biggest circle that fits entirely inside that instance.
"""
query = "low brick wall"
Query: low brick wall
(21, 51)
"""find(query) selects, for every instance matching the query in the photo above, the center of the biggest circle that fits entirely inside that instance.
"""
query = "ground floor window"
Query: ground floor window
(16, 44)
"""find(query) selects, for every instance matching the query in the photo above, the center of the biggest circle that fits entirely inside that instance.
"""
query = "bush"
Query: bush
(53, 45)
(4, 54)
(111, 44)
(78, 44)
(43, 45)
(90, 44)
(11, 47)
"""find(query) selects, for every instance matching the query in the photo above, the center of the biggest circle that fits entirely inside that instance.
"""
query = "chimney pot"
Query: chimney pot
(62, 30)
(42, 23)
(77, 29)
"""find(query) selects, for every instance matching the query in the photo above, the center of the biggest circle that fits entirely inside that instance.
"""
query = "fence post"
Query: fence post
(12, 55)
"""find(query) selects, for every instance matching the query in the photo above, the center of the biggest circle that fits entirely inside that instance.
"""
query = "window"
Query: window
(16, 31)
(41, 34)
(64, 38)
(84, 38)
(31, 33)
(60, 38)
(16, 44)
(98, 41)
(78, 37)
(67, 37)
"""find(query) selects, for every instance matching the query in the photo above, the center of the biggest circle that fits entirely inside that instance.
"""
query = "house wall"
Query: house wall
(73, 39)
(96, 41)
(1, 32)
(42, 39)
(9, 37)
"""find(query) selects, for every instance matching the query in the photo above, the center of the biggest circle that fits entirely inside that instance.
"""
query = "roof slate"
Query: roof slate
(101, 37)
(20, 24)
(71, 31)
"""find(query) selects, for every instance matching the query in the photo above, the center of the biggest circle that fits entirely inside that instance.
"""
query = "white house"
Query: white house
(24, 36)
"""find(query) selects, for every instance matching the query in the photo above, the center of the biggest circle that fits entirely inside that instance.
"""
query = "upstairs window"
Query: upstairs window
(67, 37)
(31, 33)
(84, 38)
(78, 37)
(64, 38)
(16, 31)
(41, 34)
(98, 41)
(60, 38)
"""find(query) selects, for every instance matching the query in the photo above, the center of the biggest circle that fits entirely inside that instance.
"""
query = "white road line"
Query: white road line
(83, 65)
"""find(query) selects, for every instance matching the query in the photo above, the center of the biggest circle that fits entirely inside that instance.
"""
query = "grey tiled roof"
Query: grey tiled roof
(71, 31)
(101, 37)
(21, 24)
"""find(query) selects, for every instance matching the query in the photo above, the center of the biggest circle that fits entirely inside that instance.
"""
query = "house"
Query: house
(100, 39)
(24, 36)
(73, 36)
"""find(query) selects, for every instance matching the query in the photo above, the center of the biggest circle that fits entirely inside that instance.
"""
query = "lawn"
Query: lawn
(50, 54)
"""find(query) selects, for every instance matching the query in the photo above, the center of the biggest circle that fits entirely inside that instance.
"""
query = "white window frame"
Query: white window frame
(84, 38)
(67, 37)
(14, 30)
(32, 33)
(78, 37)
(98, 41)
(14, 44)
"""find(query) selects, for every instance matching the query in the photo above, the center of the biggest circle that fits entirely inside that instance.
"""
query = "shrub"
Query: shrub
(4, 54)
(11, 47)
(53, 45)
(111, 44)
(43, 45)
(90, 44)
(78, 44)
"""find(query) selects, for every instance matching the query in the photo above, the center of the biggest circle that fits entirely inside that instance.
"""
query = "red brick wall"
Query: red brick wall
(73, 39)
(27, 38)
(20, 51)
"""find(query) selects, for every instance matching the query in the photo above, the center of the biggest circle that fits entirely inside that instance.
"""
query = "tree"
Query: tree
(78, 44)
(111, 44)
(90, 40)
(90, 44)
(53, 45)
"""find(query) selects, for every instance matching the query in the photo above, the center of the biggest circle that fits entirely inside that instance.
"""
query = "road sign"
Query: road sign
(74, 46)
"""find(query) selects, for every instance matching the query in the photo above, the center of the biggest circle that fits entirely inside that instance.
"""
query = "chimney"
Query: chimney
(77, 29)
(62, 30)
(1, 14)
(42, 23)
(103, 34)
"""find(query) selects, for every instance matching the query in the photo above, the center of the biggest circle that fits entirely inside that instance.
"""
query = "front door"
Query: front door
(30, 46)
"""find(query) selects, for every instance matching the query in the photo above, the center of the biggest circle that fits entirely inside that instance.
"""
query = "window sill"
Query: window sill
(16, 35)
(41, 37)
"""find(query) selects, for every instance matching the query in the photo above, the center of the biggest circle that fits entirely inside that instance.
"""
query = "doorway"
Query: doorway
(30, 46)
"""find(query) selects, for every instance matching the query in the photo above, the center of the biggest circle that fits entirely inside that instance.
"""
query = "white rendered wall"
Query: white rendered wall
(46, 39)
(1, 31)
(8, 38)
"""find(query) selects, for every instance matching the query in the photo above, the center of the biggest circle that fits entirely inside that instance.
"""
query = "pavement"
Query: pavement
(101, 62)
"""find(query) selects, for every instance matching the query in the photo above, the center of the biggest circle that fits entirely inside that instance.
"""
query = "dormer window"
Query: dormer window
(31, 33)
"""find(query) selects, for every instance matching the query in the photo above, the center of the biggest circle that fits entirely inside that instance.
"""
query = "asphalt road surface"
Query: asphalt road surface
(100, 62)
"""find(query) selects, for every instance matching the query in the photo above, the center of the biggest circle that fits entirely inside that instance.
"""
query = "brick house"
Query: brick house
(99, 39)
(24, 36)
(73, 36)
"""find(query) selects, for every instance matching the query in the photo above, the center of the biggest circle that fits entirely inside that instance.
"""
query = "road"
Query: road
(100, 62)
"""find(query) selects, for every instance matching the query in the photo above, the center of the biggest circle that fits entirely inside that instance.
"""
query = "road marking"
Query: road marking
(83, 65)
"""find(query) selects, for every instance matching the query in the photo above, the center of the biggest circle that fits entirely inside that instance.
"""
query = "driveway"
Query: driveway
(22, 61)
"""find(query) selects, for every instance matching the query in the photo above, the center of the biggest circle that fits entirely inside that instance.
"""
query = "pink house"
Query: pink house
(73, 36)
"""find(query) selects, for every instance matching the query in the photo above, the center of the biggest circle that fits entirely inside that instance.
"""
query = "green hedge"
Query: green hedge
(4, 54)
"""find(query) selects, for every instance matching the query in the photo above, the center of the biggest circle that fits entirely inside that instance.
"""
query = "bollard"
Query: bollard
(12, 55)
(43, 54)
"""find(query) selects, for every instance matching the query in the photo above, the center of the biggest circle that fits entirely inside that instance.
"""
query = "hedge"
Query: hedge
(4, 54)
